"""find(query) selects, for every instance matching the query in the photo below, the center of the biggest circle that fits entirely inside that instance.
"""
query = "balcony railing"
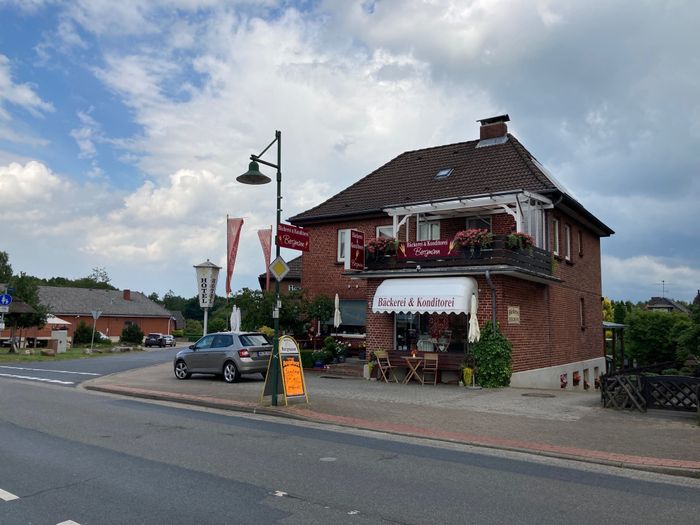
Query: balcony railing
(531, 260)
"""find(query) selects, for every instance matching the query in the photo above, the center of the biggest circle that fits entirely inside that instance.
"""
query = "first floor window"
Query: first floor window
(385, 231)
(555, 236)
(428, 230)
(567, 242)
(343, 239)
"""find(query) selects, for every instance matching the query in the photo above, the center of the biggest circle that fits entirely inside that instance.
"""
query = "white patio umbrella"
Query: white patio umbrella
(474, 332)
(235, 319)
(337, 320)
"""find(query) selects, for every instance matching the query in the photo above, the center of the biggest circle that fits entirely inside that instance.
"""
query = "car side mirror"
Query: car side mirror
(191, 347)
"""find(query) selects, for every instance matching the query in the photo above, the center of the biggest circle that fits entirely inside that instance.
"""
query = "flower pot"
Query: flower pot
(319, 364)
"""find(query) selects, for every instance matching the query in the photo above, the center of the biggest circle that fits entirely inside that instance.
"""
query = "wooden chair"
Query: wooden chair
(430, 366)
(386, 369)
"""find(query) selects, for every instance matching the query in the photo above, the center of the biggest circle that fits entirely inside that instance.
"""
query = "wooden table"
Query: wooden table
(413, 364)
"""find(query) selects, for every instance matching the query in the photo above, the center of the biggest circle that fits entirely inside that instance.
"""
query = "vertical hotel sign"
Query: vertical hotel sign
(355, 251)
(207, 275)
(291, 379)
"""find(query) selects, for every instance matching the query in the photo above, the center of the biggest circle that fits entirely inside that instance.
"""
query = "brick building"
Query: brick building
(118, 308)
(546, 299)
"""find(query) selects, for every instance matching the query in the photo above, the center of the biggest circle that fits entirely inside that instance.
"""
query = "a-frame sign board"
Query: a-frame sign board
(290, 380)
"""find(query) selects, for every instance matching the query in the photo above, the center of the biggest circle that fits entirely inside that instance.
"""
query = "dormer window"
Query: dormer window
(444, 173)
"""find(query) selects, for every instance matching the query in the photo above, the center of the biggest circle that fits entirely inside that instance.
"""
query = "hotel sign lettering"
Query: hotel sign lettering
(426, 250)
(355, 260)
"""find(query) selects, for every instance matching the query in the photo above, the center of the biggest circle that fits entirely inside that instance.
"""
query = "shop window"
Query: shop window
(567, 242)
(430, 332)
(343, 238)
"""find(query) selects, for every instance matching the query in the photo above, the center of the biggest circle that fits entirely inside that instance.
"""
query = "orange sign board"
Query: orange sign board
(293, 382)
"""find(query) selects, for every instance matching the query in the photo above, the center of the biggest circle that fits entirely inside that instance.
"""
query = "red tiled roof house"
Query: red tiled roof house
(547, 299)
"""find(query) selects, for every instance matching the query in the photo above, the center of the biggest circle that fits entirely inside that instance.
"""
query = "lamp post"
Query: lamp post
(255, 177)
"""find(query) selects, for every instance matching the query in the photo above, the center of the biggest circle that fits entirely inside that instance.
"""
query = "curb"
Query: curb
(672, 467)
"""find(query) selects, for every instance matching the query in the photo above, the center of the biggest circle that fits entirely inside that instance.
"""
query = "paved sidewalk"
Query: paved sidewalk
(553, 423)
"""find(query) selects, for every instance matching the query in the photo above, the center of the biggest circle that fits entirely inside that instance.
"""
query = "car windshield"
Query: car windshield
(153, 335)
(254, 340)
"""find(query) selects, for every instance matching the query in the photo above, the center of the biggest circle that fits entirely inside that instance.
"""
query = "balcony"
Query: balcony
(533, 264)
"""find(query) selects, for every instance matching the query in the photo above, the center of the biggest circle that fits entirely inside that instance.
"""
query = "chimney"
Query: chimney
(127, 295)
(493, 127)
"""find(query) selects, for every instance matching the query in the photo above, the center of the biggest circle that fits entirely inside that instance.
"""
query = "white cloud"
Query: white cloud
(22, 95)
(640, 278)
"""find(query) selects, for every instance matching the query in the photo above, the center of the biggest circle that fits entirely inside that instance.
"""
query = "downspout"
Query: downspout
(493, 297)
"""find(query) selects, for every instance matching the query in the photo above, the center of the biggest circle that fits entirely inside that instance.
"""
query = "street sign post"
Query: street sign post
(95, 316)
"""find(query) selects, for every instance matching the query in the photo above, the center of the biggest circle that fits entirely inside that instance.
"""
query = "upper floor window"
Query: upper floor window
(582, 313)
(580, 243)
(567, 242)
(385, 231)
(479, 223)
(555, 237)
(343, 239)
(428, 231)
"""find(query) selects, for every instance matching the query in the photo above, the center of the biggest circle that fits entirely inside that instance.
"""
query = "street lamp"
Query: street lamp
(255, 177)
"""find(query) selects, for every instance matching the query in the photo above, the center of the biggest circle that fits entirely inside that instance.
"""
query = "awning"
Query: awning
(451, 295)
(52, 319)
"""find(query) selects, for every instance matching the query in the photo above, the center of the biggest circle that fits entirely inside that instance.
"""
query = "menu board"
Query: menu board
(290, 381)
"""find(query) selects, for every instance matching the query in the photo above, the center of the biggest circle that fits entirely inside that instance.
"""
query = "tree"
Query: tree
(27, 290)
(619, 312)
(173, 302)
(132, 334)
(321, 307)
(5, 268)
(193, 328)
(82, 334)
(652, 336)
(154, 297)
(607, 309)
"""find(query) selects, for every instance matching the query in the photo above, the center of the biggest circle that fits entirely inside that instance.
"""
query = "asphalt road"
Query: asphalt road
(67, 454)
(73, 372)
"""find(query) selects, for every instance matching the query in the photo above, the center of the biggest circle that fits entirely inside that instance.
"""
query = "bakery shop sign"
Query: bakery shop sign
(293, 237)
(426, 250)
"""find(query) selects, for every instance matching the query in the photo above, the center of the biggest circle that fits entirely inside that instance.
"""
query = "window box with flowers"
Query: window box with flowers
(520, 241)
(472, 241)
(381, 246)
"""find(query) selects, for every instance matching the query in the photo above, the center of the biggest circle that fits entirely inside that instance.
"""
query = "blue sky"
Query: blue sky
(124, 124)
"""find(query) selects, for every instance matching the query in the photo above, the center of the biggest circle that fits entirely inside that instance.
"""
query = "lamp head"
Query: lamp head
(253, 175)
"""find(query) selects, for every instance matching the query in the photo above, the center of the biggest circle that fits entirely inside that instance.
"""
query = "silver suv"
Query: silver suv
(229, 354)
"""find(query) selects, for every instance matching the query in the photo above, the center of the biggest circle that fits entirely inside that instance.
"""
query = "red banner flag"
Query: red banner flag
(233, 235)
(265, 237)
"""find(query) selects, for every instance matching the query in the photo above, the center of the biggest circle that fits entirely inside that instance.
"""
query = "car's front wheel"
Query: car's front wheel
(181, 370)
(231, 373)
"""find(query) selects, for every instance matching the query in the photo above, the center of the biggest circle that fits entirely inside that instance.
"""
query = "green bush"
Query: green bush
(307, 358)
(132, 334)
(266, 330)
(178, 333)
(493, 358)
(82, 334)
(670, 372)
(652, 337)
(193, 328)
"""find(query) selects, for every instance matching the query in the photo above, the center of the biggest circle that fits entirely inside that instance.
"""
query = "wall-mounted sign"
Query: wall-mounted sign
(355, 259)
(293, 237)
(513, 315)
(426, 250)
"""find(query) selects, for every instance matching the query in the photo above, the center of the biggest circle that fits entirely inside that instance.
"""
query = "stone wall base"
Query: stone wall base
(581, 375)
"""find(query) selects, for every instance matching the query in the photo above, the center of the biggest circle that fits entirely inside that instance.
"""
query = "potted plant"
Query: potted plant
(471, 241)
(380, 246)
(520, 241)
(319, 358)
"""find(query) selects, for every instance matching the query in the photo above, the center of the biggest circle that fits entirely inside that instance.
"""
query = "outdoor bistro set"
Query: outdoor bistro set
(418, 367)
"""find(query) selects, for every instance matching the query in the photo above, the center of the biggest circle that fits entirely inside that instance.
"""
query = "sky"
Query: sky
(123, 125)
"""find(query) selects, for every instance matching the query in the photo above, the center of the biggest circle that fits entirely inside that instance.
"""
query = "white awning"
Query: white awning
(451, 295)
(52, 319)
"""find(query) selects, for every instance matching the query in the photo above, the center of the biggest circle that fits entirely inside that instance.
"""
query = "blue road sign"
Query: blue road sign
(5, 299)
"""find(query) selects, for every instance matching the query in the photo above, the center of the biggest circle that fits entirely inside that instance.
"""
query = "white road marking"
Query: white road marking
(48, 370)
(7, 496)
(31, 378)
(69, 522)
(328, 459)
(279, 494)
